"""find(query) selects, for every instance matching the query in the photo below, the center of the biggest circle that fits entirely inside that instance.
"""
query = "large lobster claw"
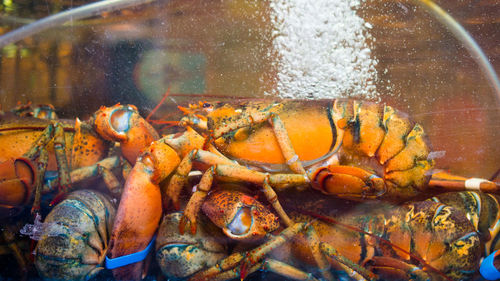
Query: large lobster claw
(16, 184)
(140, 207)
(122, 123)
(240, 216)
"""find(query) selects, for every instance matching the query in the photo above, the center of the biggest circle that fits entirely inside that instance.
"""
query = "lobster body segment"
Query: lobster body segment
(312, 138)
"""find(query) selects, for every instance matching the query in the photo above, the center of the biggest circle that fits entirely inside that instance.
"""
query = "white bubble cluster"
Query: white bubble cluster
(322, 50)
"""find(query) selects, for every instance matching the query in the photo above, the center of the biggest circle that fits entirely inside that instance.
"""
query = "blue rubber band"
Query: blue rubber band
(488, 270)
(130, 258)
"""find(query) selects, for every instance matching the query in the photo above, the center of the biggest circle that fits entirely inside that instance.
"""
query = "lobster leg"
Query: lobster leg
(233, 172)
(273, 199)
(355, 271)
(223, 265)
(179, 179)
(102, 168)
(286, 270)
(249, 260)
(63, 170)
(291, 158)
(109, 179)
(398, 269)
(40, 143)
(254, 256)
(321, 261)
(43, 160)
(194, 204)
(312, 237)
(39, 150)
(270, 265)
(62, 162)
(259, 253)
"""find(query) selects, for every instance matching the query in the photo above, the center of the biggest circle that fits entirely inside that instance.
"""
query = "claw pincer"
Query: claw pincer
(140, 206)
(240, 216)
(124, 124)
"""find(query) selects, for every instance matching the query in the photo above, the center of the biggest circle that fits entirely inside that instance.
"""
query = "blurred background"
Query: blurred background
(389, 51)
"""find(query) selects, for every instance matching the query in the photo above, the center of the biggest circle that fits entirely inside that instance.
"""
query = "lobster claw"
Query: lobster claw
(140, 208)
(347, 181)
(240, 216)
(16, 184)
(123, 123)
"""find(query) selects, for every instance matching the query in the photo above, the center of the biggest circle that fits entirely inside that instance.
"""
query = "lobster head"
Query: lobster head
(241, 217)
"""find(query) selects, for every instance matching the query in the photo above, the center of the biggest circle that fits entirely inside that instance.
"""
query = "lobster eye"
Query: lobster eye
(242, 222)
(120, 120)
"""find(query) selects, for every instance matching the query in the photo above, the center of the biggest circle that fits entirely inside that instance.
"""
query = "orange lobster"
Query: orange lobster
(31, 146)
(418, 241)
(356, 150)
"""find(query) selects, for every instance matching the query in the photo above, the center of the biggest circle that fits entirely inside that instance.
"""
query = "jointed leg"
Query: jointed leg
(342, 180)
(354, 270)
(195, 202)
(270, 265)
(234, 172)
(43, 160)
(273, 199)
(286, 270)
(39, 150)
(179, 179)
(292, 159)
(319, 258)
(110, 180)
(62, 162)
(399, 269)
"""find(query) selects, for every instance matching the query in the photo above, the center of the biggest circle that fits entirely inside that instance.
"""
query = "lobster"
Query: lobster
(31, 146)
(70, 152)
(423, 240)
(74, 237)
(350, 149)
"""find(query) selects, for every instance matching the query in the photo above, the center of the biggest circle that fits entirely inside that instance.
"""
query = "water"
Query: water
(387, 52)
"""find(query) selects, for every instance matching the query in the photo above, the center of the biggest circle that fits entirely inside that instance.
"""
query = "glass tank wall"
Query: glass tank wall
(388, 52)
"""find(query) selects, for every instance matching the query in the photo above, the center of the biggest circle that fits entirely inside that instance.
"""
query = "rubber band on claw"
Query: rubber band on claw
(130, 258)
(488, 269)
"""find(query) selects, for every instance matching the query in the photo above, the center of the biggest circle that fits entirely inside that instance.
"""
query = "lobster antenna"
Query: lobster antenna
(385, 241)
(167, 93)
(470, 44)
(81, 12)
(495, 175)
